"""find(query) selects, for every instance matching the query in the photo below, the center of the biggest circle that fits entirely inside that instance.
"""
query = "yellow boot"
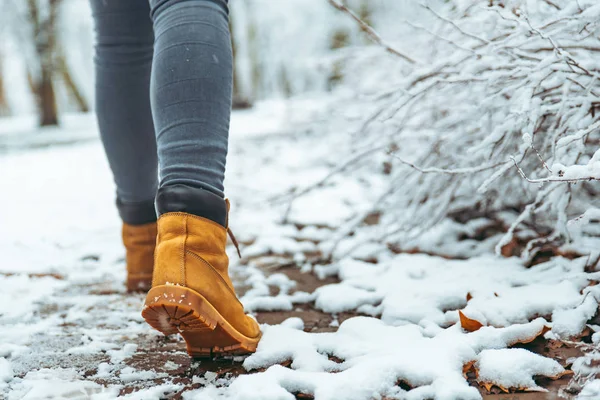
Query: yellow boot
(192, 293)
(139, 241)
(139, 238)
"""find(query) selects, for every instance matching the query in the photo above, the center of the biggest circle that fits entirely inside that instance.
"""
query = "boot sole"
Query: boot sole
(176, 309)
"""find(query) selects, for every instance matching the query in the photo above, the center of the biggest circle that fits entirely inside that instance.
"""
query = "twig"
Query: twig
(539, 156)
(340, 168)
(551, 178)
(458, 28)
(559, 51)
(435, 35)
(552, 4)
(371, 32)
(529, 209)
(457, 171)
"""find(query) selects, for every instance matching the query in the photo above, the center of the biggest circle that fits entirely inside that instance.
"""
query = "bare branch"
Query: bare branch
(457, 171)
(552, 178)
(458, 28)
(371, 32)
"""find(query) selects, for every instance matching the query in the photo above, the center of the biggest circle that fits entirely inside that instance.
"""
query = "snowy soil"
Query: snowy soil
(371, 325)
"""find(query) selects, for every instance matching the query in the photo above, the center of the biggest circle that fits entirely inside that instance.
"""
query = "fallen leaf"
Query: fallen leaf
(511, 248)
(531, 338)
(469, 297)
(468, 367)
(468, 324)
(554, 344)
(304, 396)
(489, 385)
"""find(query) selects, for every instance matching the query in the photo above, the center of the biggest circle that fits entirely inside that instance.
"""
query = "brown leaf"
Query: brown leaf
(488, 385)
(511, 248)
(585, 332)
(469, 297)
(530, 339)
(468, 324)
(468, 367)
(303, 396)
(554, 344)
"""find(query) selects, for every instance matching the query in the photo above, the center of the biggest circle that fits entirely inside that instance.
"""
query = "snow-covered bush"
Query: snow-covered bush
(497, 118)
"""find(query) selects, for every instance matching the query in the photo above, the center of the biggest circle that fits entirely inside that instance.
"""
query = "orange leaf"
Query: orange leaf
(468, 367)
(468, 324)
(489, 385)
(531, 338)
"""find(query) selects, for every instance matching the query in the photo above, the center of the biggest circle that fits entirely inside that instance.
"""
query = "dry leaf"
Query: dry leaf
(530, 339)
(510, 249)
(468, 367)
(489, 385)
(469, 297)
(468, 324)
(554, 344)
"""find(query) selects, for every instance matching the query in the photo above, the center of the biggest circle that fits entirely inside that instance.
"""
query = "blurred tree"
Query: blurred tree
(62, 68)
(240, 101)
(4, 107)
(254, 51)
(41, 16)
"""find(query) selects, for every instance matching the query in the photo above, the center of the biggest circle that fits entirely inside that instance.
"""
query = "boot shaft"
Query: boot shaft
(182, 236)
(139, 242)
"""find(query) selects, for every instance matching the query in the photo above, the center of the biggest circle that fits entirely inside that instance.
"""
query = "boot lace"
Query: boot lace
(235, 242)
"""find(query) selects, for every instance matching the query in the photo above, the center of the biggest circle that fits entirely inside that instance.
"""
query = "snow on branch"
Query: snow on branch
(505, 96)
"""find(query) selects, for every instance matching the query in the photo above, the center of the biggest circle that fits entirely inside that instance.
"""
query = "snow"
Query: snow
(591, 170)
(415, 287)
(32, 289)
(371, 366)
(282, 303)
(339, 298)
(57, 383)
(6, 372)
(157, 392)
(68, 329)
(515, 368)
(74, 330)
(571, 322)
(129, 374)
(591, 390)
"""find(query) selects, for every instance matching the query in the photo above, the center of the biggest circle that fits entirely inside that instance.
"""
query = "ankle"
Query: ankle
(138, 213)
(191, 200)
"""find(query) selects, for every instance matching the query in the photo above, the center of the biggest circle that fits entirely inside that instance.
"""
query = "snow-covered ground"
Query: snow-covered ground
(372, 324)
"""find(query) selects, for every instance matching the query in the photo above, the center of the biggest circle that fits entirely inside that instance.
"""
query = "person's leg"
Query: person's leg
(123, 63)
(124, 51)
(191, 102)
(191, 87)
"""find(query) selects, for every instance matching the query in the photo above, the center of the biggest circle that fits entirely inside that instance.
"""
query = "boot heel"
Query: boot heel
(174, 309)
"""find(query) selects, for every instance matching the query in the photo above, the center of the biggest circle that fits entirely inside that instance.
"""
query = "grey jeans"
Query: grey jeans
(163, 93)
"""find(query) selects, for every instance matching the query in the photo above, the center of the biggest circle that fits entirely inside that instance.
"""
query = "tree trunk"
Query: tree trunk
(47, 99)
(44, 37)
(240, 101)
(4, 107)
(72, 88)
